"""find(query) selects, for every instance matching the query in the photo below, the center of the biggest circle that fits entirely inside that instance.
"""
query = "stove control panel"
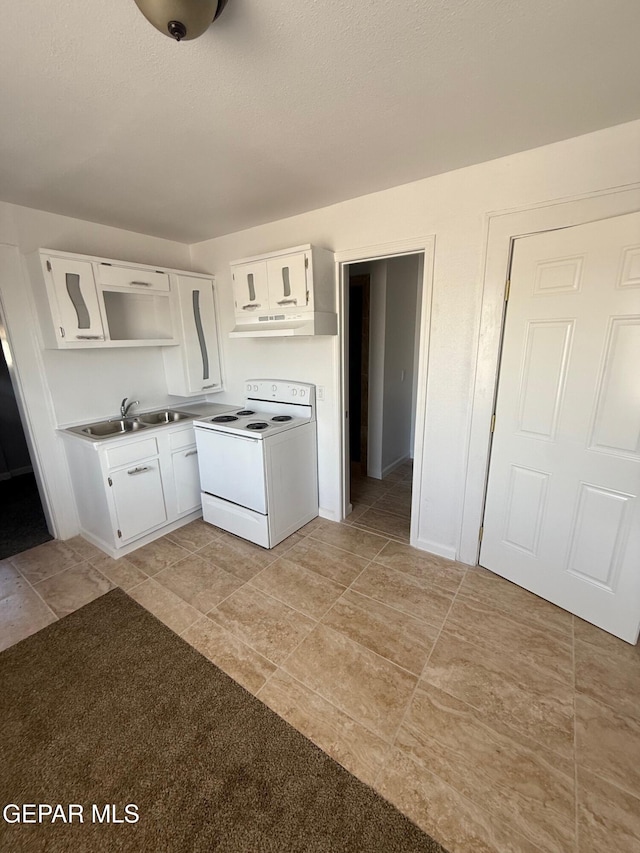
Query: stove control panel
(280, 391)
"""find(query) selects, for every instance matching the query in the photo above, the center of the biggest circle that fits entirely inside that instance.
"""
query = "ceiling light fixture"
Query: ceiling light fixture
(181, 19)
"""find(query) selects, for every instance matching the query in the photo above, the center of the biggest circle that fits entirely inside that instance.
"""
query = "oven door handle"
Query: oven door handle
(228, 434)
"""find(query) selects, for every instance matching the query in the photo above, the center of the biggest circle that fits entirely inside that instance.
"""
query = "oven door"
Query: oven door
(232, 468)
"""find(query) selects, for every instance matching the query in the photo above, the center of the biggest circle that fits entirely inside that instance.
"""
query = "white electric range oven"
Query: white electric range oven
(258, 464)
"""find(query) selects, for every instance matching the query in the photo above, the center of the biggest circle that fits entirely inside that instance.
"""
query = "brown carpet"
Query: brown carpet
(110, 706)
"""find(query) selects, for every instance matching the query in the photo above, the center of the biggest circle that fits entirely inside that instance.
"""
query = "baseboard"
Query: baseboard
(392, 467)
(435, 548)
(16, 472)
(328, 514)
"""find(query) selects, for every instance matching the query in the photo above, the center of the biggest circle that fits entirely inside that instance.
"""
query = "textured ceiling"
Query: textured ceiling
(282, 107)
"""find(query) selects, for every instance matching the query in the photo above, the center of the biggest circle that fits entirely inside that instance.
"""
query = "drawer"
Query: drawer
(132, 279)
(131, 451)
(182, 438)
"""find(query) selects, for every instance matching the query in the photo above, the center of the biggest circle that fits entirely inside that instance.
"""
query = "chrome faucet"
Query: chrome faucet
(124, 406)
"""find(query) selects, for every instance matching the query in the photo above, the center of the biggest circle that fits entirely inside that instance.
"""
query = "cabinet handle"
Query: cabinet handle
(251, 305)
(288, 302)
(90, 337)
(214, 385)
(139, 470)
(191, 453)
(141, 283)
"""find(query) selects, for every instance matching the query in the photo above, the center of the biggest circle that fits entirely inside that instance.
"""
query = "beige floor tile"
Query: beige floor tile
(367, 490)
(400, 488)
(73, 588)
(157, 555)
(368, 688)
(333, 563)
(237, 556)
(357, 510)
(310, 526)
(488, 589)
(402, 639)
(395, 504)
(608, 743)
(443, 813)
(262, 622)
(165, 605)
(445, 574)
(200, 583)
(46, 560)
(385, 523)
(194, 535)
(485, 626)
(11, 581)
(585, 632)
(243, 664)
(509, 776)
(520, 696)
(611, 674)
(121, 571)
(348, 538)
(300, 588)
(608, 818)
(349, 743)
(287, 544)
(85, 550)
(412, 595)
(22, 613)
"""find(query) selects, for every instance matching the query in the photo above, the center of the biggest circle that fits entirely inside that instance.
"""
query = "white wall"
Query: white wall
(80, 385)
(399, 330)
(454, 207)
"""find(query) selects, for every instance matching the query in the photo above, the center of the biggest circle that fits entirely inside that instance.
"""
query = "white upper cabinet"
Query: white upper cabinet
(73, 299)
(290, 292)
(194, 366)
(94, 302)
(251, 288)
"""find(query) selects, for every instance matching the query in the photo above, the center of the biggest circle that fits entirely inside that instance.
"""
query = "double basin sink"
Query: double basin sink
(120, 426)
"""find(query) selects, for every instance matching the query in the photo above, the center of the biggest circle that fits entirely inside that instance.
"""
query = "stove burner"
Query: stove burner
(281, 418)
(224, 419)
(245, 412)
(257, 425)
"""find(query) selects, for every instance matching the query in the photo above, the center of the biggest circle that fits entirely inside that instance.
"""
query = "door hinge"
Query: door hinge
(493, 421)
(110, 481)
(49, 265)
(480, 534)
(507, 288)
(119, 534)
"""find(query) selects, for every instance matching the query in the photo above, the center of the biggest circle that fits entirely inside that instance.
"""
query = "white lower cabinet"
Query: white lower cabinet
(138, 498)
(132, 489)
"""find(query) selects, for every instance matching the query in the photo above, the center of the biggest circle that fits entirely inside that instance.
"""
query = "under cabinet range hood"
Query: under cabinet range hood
(285, 293)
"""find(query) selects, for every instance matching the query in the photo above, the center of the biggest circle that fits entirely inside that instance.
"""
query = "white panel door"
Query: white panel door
(562, 514)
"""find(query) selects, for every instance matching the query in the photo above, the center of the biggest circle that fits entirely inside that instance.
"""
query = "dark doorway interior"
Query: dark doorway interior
(22, 521)
(359, 308)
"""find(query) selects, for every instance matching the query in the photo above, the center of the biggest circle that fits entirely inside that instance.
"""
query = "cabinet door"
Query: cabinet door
(287, 275)
(201, 351)
(187, 479)
(76, 297)
(250, 288)
(138, 498)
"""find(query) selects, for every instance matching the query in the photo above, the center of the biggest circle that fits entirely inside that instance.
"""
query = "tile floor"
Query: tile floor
(493, 719)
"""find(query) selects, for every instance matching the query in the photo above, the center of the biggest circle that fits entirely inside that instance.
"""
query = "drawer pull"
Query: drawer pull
(90, 337)
(213, 385)
(139, 470)
(191, 453)
(251, 305)
(140, 283)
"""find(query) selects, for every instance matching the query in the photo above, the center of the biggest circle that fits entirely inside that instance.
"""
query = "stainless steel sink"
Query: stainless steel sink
(105, 429)
(164, 416)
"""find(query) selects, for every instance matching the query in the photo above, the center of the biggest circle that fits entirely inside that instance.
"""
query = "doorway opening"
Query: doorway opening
(22, 520)
(382, 311)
